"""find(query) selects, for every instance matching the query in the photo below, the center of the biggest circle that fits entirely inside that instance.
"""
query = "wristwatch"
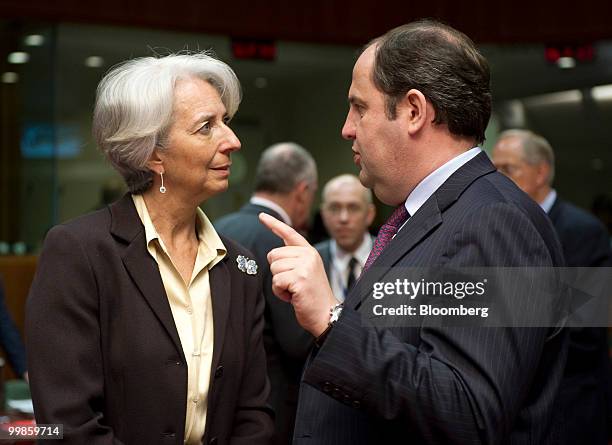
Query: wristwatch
(334, 315)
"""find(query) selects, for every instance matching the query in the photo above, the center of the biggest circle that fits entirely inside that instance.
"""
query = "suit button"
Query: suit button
(213, 441)
(356, 404)
(327, 387)
(347, 399)
(219, 372)
(337, 394)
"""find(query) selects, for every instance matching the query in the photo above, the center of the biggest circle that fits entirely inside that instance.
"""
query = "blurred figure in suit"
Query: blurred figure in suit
(528, 159)
(285, 186)
(10, 339)
(347, 212)
(602, 209)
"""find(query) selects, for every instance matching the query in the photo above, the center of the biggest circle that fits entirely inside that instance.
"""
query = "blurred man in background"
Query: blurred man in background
(347, 212)
(528, 159)
(285, 186)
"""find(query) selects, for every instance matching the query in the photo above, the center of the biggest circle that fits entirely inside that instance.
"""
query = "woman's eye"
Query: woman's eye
(205, 128)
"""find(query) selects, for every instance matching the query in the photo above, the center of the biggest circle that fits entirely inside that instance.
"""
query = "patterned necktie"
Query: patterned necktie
(386, 233)
(352, 276)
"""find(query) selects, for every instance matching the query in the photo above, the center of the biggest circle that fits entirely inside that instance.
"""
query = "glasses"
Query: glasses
(337, 209)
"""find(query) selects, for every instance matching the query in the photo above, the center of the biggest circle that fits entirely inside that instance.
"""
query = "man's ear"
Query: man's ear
(542, 173)
(371, 214)
(300, 190)
(415, 111)
(155, 162)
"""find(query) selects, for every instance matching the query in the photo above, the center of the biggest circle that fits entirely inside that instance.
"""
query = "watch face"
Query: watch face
(335, 313)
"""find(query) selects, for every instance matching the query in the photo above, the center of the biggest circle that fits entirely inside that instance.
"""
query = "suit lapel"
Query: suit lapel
(220, 291)
(326, 257)
(555, 211)
(126, 225)
(421, 224)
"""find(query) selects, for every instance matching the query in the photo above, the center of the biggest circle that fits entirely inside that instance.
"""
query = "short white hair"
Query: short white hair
(536, 149)
(135, 102)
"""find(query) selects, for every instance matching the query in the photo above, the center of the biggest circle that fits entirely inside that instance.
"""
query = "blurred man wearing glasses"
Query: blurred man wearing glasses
(347, 212)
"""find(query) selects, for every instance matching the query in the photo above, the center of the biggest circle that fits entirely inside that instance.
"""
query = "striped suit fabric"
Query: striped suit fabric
(443, 385)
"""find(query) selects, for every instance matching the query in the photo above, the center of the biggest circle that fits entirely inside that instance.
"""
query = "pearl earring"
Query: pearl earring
(162, 189)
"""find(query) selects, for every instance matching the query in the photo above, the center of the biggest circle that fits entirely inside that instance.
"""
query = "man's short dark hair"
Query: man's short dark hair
(282, 166)
(444, 65)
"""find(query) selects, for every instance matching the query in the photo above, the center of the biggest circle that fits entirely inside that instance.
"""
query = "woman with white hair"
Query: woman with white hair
(143, 325)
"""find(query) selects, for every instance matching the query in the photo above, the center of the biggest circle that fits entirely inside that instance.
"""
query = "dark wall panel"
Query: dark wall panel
(341, 21)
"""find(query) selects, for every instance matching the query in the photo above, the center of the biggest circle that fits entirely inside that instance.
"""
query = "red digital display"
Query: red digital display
(580, 53)
(254, 49)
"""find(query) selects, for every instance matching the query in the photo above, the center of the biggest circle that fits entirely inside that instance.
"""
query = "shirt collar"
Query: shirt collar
(258, 200)
(342, 258)
(549, 201)
(435, 179)
(207, 236)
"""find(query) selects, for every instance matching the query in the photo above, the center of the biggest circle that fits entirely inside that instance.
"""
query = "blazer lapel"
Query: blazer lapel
(220, 291)
(126, 225)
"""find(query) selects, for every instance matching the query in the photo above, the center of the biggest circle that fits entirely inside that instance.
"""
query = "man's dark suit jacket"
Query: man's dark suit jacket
(585, 243)
(324, 249)
(443, 385)
(105, 356)
(286, 343)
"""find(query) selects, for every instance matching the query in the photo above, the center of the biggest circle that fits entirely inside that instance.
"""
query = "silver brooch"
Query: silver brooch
(246, 265)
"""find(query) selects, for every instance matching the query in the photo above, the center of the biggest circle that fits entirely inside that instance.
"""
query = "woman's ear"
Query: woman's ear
(155, 162)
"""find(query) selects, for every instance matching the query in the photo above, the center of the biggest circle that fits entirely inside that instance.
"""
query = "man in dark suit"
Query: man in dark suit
(419, 104)
(528, 159)
(285, 185)
(347, 212)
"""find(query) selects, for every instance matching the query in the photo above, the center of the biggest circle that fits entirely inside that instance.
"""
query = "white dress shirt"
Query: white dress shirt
(549, 201)
(432, 182)
(338, 273)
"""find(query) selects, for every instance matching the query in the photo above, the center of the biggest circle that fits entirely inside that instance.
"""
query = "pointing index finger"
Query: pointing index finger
(289, 236)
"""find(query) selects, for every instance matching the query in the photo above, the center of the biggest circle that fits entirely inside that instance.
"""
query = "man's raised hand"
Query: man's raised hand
(299, 277)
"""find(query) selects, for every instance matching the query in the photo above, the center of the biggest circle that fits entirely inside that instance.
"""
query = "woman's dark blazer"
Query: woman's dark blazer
(104, 355)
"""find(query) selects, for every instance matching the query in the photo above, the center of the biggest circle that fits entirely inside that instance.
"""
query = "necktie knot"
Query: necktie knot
(398, 217)
(387, 232)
